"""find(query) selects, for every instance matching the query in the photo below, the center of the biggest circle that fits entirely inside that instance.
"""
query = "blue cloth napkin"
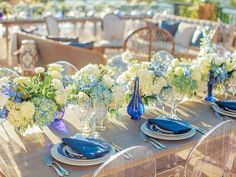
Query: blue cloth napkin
(88, 148)
(230, 104)
(175, 126)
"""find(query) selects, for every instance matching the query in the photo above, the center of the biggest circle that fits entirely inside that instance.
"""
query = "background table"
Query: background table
(23, 156)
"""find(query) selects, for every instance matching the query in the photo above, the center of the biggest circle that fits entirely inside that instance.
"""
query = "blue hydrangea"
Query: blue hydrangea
(45, 111)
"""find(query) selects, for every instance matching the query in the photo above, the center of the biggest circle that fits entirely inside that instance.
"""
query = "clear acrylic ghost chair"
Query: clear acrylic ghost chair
(117, 63)
(221, 51)
(141, 164)
(6, 72)
(164, 56)
(68, 68)
(214, 154)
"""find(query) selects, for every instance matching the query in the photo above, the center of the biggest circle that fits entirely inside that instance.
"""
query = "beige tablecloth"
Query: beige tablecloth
(23, 156)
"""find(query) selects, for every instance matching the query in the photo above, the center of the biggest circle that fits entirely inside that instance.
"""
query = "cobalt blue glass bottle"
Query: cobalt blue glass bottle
(210, 87)
(135, 107)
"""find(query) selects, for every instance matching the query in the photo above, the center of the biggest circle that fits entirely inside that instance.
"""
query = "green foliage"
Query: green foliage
(185, 85)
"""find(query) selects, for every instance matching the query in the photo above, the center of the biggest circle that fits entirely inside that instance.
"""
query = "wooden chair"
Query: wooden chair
(136, 161)
(145, 41)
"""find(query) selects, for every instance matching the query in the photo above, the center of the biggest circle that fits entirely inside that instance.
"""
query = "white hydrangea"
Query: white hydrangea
(90, 70)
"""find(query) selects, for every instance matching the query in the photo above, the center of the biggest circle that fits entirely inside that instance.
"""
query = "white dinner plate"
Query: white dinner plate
(223, 112)
(162, 136)
(79, 162)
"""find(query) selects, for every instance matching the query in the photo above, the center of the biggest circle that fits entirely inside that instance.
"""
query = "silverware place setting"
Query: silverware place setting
(153, 141)
(48, 160)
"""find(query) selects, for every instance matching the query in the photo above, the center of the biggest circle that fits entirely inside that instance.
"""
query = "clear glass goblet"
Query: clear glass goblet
(176, 98)
(162, 97)
(84, 112)
(101, 112)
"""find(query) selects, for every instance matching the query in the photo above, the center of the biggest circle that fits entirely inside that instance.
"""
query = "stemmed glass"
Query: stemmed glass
(162, 97)
(176, 98)
(101, 112)
(84, 112)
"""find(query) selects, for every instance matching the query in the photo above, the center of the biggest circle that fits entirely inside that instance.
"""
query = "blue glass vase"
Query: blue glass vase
(135, 107)
(210, 87)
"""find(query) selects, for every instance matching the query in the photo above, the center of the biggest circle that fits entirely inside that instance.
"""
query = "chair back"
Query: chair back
(214, 154)
(52, 26)
(113, 27)
(141, 162)
(6, 72)
(68, 68)
(163, 56)
(144, 42)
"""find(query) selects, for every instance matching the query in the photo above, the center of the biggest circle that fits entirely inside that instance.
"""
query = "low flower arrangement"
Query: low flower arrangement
(183, 77)
(34, 100)
(151, 80)
(93, 83)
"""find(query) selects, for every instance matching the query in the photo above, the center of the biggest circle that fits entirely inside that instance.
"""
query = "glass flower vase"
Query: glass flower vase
(29, 131)
(135, 107)
(210, 87)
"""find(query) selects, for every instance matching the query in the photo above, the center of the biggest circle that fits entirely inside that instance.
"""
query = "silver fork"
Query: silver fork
(63, 170)
(50, 164)
(118, 148)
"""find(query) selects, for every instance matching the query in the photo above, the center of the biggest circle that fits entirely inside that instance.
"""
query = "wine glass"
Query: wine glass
(84, 112)
(176, 98)
(101, 112)
(162, 97)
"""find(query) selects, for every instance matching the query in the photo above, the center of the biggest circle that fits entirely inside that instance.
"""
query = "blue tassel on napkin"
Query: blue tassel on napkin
(175, 126)
(230, 104)
(88, 148)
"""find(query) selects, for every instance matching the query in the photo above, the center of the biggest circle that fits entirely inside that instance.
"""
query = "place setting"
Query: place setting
(81, 151)
(225, 108)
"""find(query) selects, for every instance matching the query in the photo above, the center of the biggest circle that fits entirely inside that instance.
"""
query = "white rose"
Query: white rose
(55, 67)
(56, 75)
(108, 81)
(3, 99)
(179, 71)
(23, 80)
(175, 62)
(83, 96)
(229, 66)
(39, 70)
(219, 61)
(4, 80)
(61, 97)
(27, 109)
(57, 84)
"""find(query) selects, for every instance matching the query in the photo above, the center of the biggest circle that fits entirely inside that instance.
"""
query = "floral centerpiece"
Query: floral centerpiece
(215, 67)
(183, 77)
(94, 82)
(34, 100)
(151, 81)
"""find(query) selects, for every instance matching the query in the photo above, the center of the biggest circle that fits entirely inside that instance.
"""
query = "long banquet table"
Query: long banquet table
(23, 156)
